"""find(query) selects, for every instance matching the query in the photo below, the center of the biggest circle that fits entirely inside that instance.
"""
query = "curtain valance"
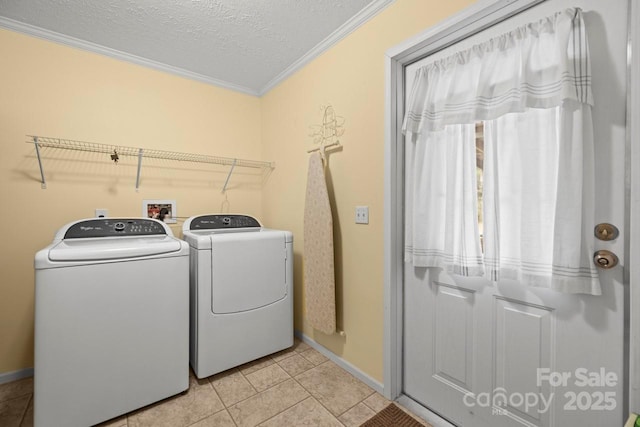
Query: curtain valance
(487, 80)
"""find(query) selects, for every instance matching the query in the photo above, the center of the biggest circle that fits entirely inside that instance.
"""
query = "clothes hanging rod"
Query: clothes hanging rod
(92, 147)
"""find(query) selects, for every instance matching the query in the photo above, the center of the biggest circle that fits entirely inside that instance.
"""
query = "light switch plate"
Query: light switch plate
(362, 214)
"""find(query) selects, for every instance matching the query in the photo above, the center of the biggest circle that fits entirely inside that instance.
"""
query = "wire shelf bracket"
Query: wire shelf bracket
(226, 182)
(42, 179)
(115, 152)
(139, 169)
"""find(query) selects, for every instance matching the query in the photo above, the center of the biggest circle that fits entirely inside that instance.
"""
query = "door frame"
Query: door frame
(464, 24)
(632, 274)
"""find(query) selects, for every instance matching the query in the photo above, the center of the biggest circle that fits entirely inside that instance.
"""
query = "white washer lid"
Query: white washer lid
(112, 248)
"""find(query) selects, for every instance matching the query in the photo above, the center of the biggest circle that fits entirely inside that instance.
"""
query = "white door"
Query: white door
(545, 358)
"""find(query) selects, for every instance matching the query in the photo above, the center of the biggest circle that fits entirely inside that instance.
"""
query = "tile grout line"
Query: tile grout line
(347, 410)
(17, 396)
(291, 354)
(317, 400)
(221, 401)
(246, 398)
(210, 415)
(311, 396)
(26, 409)
(362, 401)
(373, 409)
(233, 404)
(20, 397)
(259, 392)
(290, 377)
(249, 382)
(286, 409)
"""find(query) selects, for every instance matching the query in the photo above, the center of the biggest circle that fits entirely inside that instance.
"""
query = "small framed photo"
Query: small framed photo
(164, 210)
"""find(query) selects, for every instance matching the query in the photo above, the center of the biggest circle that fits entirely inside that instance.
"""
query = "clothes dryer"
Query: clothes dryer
(241, 291)
(111, 320)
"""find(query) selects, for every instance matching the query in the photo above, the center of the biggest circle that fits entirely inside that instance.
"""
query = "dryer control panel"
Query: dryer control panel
(110, 227)
(213, 222)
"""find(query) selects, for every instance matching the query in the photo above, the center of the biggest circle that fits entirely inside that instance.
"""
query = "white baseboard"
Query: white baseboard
(7, 377)
(376, 385)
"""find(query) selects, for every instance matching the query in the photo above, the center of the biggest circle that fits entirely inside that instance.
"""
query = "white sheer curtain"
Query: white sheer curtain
(532, 88)
(441, 226)
(538, 199)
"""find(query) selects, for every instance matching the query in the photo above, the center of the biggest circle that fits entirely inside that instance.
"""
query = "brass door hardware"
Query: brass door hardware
(605, 259)
(606, 231)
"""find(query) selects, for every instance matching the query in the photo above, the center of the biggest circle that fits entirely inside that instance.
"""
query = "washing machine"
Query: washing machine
(241, 291)
(111, 320)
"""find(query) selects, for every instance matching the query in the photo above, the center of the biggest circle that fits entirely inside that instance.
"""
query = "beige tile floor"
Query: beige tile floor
(295, 387)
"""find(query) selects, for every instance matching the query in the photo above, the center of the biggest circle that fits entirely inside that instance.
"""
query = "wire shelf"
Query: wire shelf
(117, 151)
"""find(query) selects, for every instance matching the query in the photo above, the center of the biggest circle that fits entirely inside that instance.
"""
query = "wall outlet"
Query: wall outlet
(102, 213)
(362, 214)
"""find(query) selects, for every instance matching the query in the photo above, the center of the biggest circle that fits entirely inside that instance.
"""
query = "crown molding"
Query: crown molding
(55, 37)
(344, 30)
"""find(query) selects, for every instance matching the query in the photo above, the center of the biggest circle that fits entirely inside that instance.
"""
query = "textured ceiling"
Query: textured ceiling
(247, 45)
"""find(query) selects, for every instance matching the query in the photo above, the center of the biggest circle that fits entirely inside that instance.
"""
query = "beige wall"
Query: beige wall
(51, 90)
(350, 77)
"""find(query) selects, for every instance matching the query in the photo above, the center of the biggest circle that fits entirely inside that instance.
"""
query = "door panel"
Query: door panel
(523, 343)
(453, 323)
(474, 351)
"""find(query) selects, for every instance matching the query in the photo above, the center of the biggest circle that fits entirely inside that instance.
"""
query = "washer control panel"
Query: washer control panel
(212, 222)
(110, 227)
